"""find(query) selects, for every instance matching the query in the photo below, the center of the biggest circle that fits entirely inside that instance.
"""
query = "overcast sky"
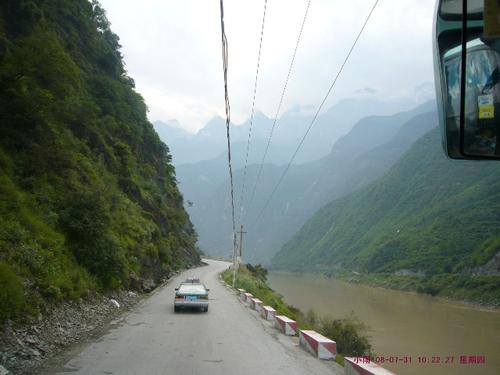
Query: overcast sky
(172, 50)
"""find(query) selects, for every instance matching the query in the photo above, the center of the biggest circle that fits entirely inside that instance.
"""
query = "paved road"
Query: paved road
(228, 339)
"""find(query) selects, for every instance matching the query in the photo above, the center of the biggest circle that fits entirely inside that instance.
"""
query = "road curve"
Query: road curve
(228, 339)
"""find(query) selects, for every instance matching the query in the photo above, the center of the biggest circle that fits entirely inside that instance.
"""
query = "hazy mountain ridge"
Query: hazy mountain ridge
(210, 141)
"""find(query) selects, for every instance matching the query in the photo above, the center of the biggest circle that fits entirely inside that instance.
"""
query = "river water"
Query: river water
(402, 324)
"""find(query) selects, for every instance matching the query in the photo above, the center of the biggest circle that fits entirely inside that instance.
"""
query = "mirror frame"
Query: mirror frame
(451, 31)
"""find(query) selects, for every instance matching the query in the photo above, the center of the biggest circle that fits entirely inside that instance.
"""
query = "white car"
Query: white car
(191, 295)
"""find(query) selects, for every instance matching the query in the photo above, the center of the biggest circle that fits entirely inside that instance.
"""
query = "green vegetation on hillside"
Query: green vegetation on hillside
(88, 196)
(430, 217)
(348, 333)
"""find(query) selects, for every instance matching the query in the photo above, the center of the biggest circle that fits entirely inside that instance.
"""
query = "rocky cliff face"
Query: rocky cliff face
(490, 268)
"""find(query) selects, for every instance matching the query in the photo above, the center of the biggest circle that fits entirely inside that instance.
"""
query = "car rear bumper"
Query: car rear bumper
(184, 303)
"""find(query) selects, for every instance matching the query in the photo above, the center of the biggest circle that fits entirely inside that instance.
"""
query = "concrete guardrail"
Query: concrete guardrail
(362, 366)
(247, 297)
(256, 304)
(268, 313)
(318, 345)
(286, 325)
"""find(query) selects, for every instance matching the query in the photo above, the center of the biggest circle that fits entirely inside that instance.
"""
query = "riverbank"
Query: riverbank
(479, 291)
(348, 332)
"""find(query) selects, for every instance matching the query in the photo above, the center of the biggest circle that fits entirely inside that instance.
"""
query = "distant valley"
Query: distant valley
(371, 146)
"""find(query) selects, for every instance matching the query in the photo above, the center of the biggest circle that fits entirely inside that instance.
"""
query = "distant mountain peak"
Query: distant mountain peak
(215, 125)
(172, 123)
(171, 129)
(259, 114)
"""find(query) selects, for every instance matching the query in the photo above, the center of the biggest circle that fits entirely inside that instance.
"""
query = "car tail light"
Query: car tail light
(178, 297)
(203, 297)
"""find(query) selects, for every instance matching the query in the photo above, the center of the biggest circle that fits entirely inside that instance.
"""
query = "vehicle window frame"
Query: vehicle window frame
(456, 14)
(192, 288)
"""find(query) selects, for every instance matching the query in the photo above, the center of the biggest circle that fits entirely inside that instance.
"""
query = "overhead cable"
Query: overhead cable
(252, 112)
(228, 117)
(315, 115)
(279, 105)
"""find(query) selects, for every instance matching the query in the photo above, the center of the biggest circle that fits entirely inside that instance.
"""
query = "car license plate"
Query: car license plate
(191, 298)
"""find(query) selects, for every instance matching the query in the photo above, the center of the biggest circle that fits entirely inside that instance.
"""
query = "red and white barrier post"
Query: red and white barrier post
(268, 313)
(318, 345)
(247, 297)
(362, 366)
(256, 304)
(286, 325)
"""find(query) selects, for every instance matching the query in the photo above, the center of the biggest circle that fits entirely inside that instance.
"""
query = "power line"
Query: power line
(228, 118)
(253, 109)
(280, 103)
(317, 113)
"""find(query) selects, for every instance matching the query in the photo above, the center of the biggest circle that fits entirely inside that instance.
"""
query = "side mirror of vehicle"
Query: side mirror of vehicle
(176, 289)
(207, 289)
(467, 77)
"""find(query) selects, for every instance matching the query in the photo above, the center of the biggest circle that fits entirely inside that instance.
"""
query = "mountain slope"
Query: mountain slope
(88, 196)
(427, 214)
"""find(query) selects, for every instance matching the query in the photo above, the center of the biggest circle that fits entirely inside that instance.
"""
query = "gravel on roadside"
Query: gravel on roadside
(24, 348)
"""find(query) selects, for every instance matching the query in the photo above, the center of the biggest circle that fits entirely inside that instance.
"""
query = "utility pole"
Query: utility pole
(241, 243)
(237, 256)
(234, 260)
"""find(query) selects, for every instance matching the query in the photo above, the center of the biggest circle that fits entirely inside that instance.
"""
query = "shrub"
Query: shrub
(348, 334)
(12, 301)
(86, 222)
(257, 271)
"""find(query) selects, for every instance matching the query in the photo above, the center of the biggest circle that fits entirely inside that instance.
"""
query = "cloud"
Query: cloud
(165, 105)
(366, 91)
(172, 50)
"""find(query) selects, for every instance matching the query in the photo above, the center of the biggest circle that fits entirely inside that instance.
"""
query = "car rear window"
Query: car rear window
(192, 289)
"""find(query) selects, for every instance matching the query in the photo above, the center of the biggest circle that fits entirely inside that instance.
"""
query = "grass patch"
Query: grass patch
(12, 299)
